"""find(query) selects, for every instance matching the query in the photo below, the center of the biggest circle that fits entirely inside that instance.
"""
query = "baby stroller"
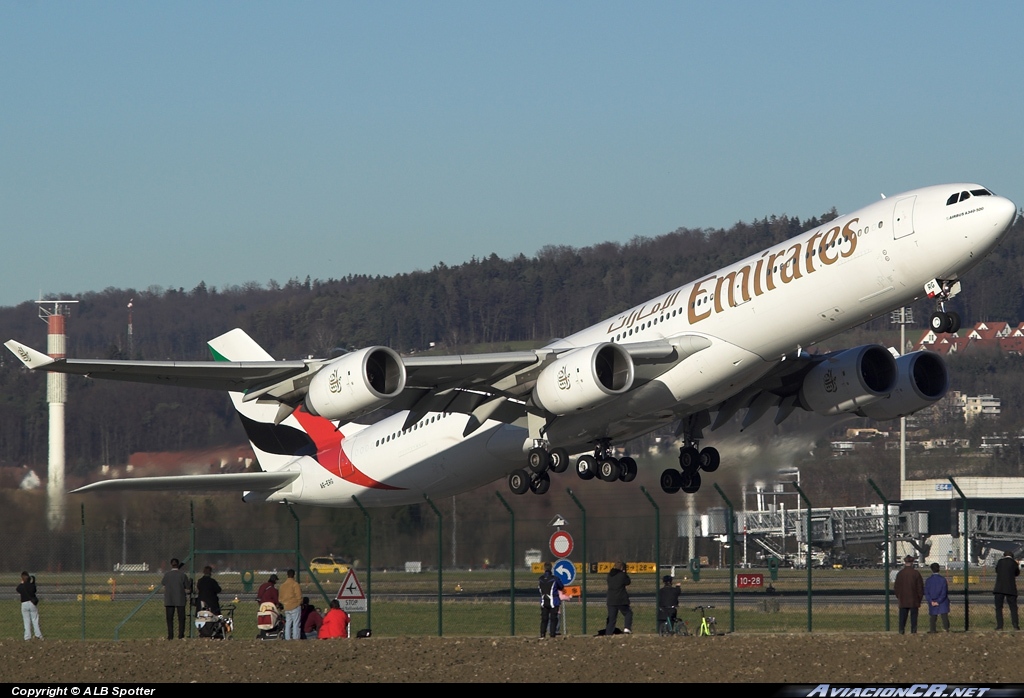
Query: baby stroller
(213, 626)
(270, 622)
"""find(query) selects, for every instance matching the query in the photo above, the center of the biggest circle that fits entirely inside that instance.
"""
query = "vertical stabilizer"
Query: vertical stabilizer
(276, 443)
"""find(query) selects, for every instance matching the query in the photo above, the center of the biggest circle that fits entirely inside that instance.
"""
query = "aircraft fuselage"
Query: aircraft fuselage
(754, 312)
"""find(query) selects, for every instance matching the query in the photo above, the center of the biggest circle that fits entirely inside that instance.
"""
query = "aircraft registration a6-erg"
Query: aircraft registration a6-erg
(729, 341)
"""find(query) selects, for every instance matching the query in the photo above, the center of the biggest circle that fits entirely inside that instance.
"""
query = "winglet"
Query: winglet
(29, 356)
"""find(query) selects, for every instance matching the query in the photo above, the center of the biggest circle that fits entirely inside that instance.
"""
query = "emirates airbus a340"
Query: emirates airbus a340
(696, 355)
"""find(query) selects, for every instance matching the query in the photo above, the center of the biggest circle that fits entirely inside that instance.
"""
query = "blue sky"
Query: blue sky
(160, 144)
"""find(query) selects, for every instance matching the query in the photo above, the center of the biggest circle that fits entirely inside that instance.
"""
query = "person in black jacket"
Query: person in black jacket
(29, 613)
(668, 600)
(550, 602)
(208, 590)
(618, 599)
(1007, 571)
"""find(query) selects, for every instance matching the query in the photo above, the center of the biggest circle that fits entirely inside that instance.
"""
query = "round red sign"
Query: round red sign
(560, 544)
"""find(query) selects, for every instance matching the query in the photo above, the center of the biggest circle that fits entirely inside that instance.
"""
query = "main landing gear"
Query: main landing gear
(603, 466)
(691, 462)
(534, 477)
(541, 461)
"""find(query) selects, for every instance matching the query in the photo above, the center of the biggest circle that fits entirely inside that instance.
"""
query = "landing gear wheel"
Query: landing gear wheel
(629, 469)
(559, 460)
(519, 482)
(691, 486)
(586, 467)
(538, 460)
(941, 322)
(689, 458)
(954, 323)
(671, 481)
(609, 470)
(709, 459)
(540, 484)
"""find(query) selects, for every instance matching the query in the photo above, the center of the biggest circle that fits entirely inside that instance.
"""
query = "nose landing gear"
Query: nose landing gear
(942, 290)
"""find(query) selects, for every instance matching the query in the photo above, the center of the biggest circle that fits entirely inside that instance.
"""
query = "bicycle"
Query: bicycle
(708, 624)
(669, 624)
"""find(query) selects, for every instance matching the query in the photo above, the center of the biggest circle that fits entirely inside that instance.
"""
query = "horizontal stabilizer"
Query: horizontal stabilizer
(197, 483)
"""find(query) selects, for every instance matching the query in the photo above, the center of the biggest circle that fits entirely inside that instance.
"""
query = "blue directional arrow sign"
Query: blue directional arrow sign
(565, 571)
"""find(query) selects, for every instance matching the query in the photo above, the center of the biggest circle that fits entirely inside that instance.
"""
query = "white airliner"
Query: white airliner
(698, 354)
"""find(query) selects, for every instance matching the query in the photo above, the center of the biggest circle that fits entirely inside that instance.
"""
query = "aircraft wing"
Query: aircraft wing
(216, 375)
(494, 385)
(196, 483)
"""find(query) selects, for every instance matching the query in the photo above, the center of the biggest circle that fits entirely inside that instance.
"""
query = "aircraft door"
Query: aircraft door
(903, 218)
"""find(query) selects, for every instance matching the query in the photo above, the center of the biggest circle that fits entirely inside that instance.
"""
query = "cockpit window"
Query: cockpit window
(981, 192)
(965, 195)
(952, 200)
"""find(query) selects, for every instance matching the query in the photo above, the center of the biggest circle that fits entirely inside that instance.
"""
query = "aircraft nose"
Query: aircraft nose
(1003, 212)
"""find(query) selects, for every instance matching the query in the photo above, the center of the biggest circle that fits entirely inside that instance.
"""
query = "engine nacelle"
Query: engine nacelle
(356, 384)
(584, 377)
(849, 380)
(923, 380)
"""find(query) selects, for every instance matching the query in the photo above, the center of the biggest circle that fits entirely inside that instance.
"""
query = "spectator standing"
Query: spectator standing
(550, 602)
(1007, 571)
(268, 591)
(29, 606)
(668, 600)
(176, 589)
(618, 599)
(208, 592)
(936, 593)
(291, 598)
(909, 590)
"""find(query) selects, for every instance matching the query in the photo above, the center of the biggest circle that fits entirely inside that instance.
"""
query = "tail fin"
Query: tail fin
(275, 443)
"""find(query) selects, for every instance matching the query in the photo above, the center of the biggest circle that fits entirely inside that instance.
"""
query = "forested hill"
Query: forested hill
(493, 300)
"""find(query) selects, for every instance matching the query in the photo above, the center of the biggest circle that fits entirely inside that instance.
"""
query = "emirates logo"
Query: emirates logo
(831, 382)
(334, 382)
(563, 379)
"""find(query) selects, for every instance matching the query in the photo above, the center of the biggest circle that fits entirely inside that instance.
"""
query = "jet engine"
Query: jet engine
(848, 380)
(583, 377)
(923, 380)
(356, 384)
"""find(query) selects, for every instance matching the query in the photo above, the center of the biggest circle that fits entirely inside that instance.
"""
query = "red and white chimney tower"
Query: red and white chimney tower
(55, 313)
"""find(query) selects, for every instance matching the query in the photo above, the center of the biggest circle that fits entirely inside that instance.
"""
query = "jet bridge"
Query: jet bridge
(832, 530)
(996, 532)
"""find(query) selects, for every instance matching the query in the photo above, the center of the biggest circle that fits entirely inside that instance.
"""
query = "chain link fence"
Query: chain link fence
(447, 568)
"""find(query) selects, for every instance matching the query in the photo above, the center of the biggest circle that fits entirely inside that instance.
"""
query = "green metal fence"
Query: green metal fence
(444, 568)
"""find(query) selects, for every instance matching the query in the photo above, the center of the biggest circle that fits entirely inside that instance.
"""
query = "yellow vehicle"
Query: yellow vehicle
(327, 565)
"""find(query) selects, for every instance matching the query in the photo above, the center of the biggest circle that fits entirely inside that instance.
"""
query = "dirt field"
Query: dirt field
(977, 657)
